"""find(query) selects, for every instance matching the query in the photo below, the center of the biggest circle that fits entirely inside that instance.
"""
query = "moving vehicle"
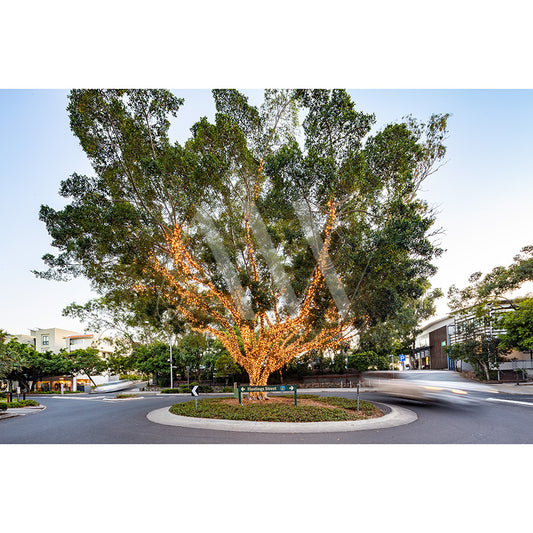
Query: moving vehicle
(425, 385)
(117, 386)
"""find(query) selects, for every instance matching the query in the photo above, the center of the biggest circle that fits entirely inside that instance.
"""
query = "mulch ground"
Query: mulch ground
(290, 401)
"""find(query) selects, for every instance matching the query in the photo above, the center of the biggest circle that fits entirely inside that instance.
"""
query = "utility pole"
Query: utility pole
(170, 360)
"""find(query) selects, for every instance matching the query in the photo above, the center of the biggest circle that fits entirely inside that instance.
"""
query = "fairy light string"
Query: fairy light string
(261, 346)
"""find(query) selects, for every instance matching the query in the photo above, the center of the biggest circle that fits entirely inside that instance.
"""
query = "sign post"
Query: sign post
(402, 360)
(194, 392)
(268, 388)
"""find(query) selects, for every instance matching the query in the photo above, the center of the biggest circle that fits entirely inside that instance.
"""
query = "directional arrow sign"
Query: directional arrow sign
(194, 390)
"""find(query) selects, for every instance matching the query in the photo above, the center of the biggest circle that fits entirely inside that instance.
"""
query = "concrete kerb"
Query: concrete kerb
(397, 416)
(21, 411)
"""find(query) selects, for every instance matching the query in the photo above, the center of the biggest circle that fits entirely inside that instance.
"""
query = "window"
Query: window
(44, 340)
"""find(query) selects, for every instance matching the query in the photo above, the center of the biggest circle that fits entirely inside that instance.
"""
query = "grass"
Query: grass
(335, 409)
(120, 396)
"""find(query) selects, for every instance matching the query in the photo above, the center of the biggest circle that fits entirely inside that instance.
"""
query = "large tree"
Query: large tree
(518, 326)
(495, 289)
(274, 239)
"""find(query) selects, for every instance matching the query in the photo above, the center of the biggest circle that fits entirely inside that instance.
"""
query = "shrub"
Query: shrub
(263, 411)
(130, 377)
(364, 361)
(21, 403)
(227, 389)
(3, 406)
(184, 389)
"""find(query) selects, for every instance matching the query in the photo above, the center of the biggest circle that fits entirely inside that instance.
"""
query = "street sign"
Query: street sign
(402, 357)
(267, 388)
(194, 390)
(443, 343)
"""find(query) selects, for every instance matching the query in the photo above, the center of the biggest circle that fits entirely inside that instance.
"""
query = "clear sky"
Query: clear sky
(483, 192)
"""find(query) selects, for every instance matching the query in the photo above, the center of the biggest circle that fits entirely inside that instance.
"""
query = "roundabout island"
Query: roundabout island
(313, 415)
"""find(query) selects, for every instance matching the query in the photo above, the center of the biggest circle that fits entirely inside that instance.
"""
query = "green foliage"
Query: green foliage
(225, 366)
(518, 325)
(482, 351)
(21, 403)
(397, 335)
(369, 360)
(3, 406)
(87, 361)
(188, 388)
(23, 363)
(484, 291)
(152, 359)
(131, 377)
(263, 411)
(114, 222)
(227, 389)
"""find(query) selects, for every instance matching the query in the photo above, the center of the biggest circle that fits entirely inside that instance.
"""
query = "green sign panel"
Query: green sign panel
(267, 388)
(443, 343)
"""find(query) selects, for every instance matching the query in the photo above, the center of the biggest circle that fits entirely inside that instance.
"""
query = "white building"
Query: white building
(56, 339)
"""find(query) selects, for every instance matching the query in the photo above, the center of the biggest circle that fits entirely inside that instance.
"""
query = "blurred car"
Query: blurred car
(119, 386)
(425, 385)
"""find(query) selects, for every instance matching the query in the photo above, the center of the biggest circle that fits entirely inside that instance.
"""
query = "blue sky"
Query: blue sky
(483, 193)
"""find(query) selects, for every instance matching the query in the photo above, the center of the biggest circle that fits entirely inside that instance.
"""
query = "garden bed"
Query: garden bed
(310, 408)
(20, 403)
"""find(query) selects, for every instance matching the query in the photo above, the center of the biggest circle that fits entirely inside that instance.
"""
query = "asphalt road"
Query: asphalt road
(496, 419)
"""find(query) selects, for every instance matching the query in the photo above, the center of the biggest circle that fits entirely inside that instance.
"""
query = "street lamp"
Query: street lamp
(170, 361)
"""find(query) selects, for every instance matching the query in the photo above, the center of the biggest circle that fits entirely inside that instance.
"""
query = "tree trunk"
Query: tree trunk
(92, 381)
(258, 378)
(486, 369)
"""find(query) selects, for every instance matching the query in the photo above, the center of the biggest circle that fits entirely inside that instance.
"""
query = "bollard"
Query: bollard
(358, 396)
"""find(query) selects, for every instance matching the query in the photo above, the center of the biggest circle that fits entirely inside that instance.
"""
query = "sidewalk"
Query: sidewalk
(513, 388)
(21, 411)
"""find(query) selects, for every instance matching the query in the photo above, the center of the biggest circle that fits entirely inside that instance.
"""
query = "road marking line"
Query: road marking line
(94, 398)
(509, 401)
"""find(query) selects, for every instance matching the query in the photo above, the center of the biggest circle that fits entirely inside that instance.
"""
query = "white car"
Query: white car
(424, 385)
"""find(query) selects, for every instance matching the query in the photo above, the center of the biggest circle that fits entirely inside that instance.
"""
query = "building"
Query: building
(430, 345)
(56, 339)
